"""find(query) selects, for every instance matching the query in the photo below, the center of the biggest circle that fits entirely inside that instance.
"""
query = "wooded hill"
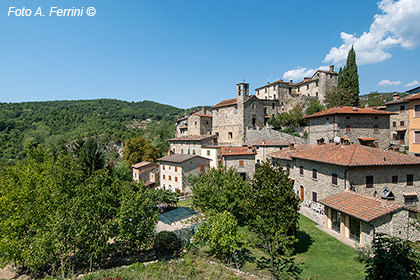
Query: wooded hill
(55, 124)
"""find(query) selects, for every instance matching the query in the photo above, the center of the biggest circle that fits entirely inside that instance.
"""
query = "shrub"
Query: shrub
(167, 245)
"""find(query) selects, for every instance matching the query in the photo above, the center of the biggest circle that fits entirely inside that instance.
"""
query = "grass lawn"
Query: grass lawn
(185, 203)
(324, 255)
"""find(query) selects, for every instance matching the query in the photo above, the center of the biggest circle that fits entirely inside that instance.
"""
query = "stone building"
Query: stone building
(197, 123)
(214, 153)
(358, 125)
(232, 117)
(265, 148)
(145, 171)
(175, 169)
(290, 94)
(240, 158)
(323, 172)
(399, 122)
(414, 123)
(191, 144)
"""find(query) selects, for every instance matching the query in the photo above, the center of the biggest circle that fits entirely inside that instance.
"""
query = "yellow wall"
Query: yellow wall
(414, 126)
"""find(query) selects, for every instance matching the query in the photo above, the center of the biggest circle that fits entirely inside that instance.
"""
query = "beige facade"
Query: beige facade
(214, 154)
(147, 172)
(191, 145)
(176, 168)
(414, 125)
(266, 147)
(399, 123)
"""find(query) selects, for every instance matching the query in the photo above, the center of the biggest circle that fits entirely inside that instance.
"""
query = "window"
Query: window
(182, 151)
(369, 181)
(163, 176)
(316, 94)
(230, 135)
(301, 170)
(273, 105)
(298, 89)
(417, 137)
(348, 128)
(201, 167)
(163, 167)
(316, 84)
(174, 150)
(176, 179)
(394, 124)
(347, 117)
(334, 179)
(288, 168)
(307, 87)
(314, 197)
(195, 123)
(188, 151)
(395, 179)
(265, 90)
(176, 168)
(207, 122)
(208, 152)
(401, 123)
(169, 178)
(416, 111)
(193, 152)
(375, 118)
(241, 163)
(314, 174)
(402, 108)
(410, 200)
(376, 128)
(410, 179)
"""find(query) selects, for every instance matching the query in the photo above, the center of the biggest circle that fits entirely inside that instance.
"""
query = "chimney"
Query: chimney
(366, 105)
(170, 152)
(250, 150)
(331, 68)
(395, 96)
(355, 109)
(292, 146)
(263, 141)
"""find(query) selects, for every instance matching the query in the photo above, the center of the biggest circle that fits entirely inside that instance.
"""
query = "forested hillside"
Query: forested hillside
(57, 123)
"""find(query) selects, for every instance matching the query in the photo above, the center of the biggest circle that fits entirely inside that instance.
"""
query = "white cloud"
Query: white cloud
(300, 72)
(413, 83)
(397, 25)
(389, 83)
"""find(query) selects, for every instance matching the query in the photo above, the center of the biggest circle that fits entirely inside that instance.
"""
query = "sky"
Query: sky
(193, 52)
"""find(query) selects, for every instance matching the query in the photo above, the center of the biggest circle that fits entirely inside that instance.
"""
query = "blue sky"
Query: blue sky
(193, 52)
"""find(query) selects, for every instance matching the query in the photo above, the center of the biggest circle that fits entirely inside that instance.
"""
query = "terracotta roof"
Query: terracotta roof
(267, 143)
(367, 138)
(227, 102)
(192, 138)
(354, 155)
(235, 151)
(359, 206)
(349, 110)
(142, 164)
(414, 97)
(399, 100)
(288, 152)
(202, 115)
(178, 158)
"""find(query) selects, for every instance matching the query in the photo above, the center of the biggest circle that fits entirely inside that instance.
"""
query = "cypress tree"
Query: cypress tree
(349, 80)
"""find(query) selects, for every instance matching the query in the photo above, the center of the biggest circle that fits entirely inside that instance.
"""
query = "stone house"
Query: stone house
(214, 153)
(175, 169)
(197, 123)
(145, 171)
(414, 124)
(191, 144)
(232, 117)
(399, 122)
(240, 158)
(323, 172)
(357, 125)
(290, 94)
(265, 148)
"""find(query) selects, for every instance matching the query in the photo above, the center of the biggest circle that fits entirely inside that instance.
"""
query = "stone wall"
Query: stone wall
(248, 166)
(228, 120)
(395, 124)
(267, 133)
(328, 127)
(190, 147)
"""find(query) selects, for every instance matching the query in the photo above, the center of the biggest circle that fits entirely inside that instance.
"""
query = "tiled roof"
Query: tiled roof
(178, 158)
(399, 100)
(142, 164)
(192, 138)
(414, 97)
(287, 153)
(354, 155)
(227, 102)
(267, 143)
(367, 138)
(349, 110)
(202, 115)
(360, 206)
(235, 151)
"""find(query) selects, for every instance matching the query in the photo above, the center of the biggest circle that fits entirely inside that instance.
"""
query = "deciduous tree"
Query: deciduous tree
(139, 149)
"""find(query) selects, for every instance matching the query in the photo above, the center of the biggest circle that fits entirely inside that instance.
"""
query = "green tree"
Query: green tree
(347, 91)
(314, 107)
(139, 149)
(393, 258)
(220, 232)
(220, 190)
(91, 157)
(272, 211)
(290, 120)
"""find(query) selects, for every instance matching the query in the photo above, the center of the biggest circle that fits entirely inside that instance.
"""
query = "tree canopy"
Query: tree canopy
(139, 149)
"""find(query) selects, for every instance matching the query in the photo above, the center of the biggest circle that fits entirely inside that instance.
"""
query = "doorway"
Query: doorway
(302, 193)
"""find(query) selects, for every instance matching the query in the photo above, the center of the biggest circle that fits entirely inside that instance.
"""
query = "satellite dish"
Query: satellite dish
(337, 139)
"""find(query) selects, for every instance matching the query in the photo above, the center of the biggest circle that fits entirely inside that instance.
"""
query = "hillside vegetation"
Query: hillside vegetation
(55, 124)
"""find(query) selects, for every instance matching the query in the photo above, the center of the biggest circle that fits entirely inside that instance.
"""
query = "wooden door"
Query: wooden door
(302, 193)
